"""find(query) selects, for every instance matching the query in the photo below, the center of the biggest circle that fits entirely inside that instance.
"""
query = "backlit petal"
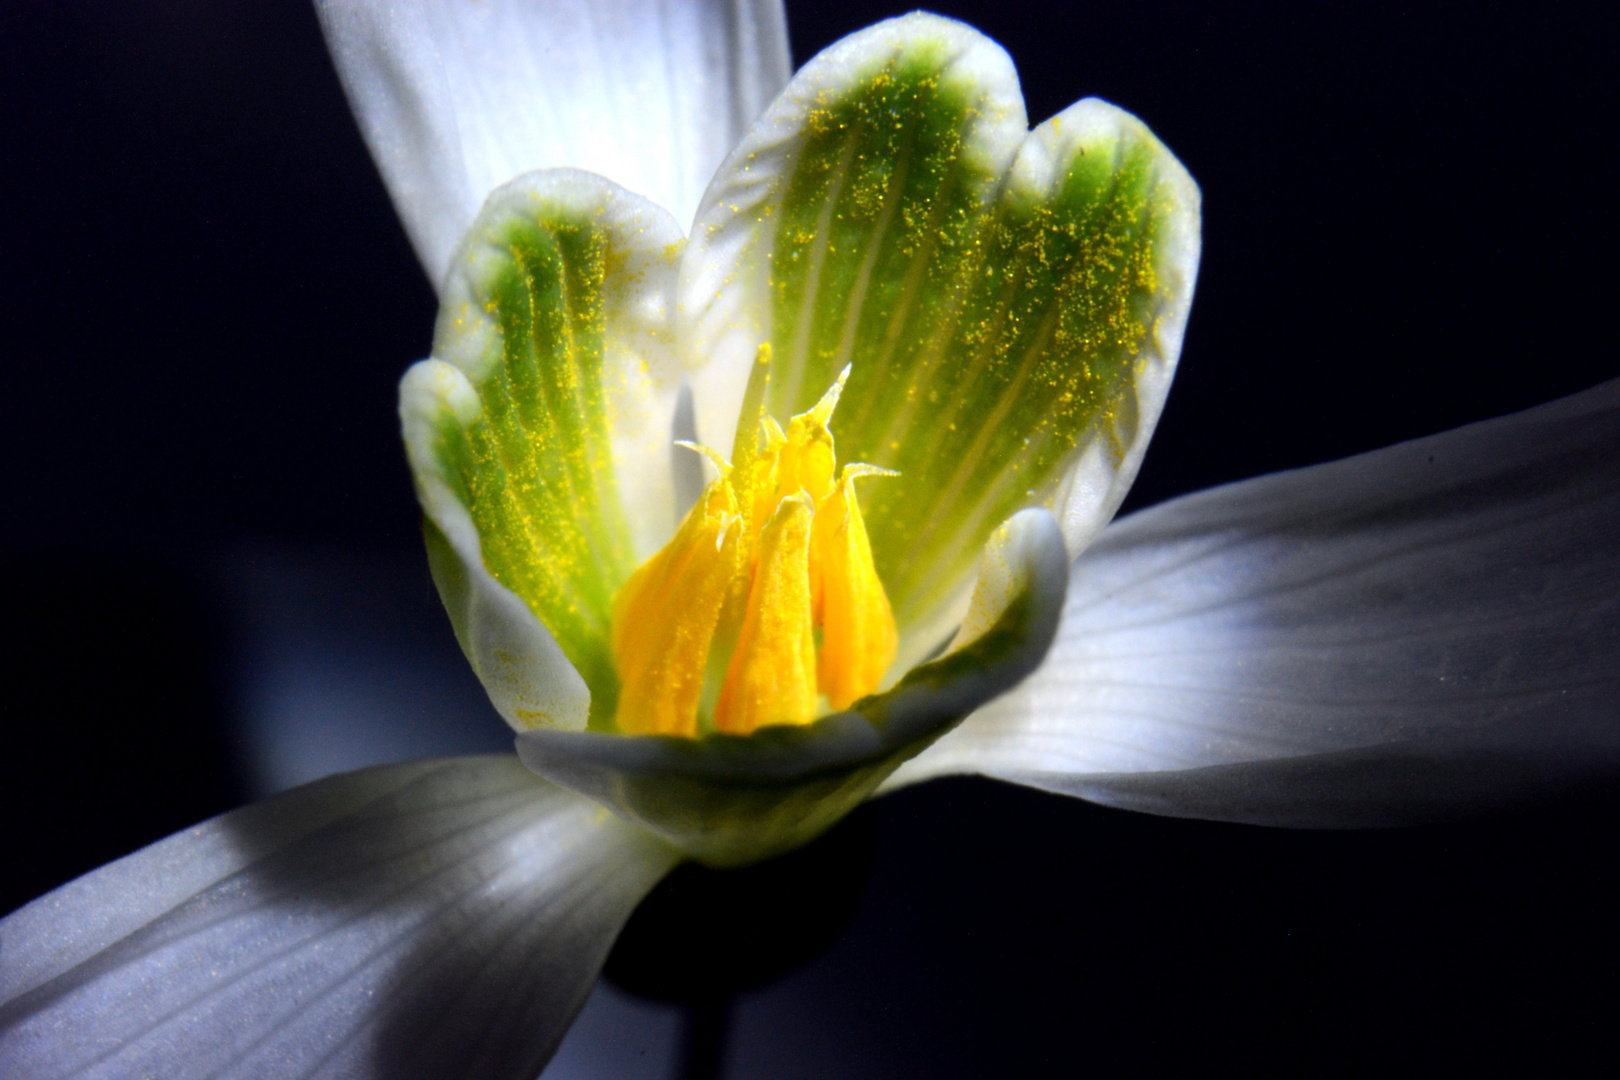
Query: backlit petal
(529, 680)
(456, 97)
(1404, 635)
(434, 919)
(556, 318)
(951, 122)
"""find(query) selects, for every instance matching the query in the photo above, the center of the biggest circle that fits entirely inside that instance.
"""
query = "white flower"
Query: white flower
(1398, 636)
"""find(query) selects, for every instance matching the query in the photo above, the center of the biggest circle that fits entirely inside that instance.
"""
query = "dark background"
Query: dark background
(1409, 225)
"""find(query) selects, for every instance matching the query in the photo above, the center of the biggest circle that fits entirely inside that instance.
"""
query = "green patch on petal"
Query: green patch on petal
(524, 317)
(881, 207)
(1057, 303)
(991, 342)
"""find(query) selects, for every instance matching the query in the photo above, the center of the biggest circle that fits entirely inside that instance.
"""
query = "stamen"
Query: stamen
(664, 618)
(772, 678)
(743, 446)
(858, 639)
(717, 630)
(822, 411)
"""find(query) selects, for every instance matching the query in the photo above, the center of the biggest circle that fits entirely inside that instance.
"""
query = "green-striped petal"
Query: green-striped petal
(1046, 383)
(1012, 303)
(529, 680)
(858, 189)
(556, 315)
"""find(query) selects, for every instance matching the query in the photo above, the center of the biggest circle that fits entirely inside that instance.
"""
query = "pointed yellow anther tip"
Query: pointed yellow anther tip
(721, 465)
(822, 411)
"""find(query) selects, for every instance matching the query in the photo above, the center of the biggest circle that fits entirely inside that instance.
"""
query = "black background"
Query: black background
(1409, 223)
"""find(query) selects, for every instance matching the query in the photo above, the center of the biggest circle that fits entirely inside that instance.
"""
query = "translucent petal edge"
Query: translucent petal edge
(529, 680)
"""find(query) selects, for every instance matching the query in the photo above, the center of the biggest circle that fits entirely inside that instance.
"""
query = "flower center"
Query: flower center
(765, 607)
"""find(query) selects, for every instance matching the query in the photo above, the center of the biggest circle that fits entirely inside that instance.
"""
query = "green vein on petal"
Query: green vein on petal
(527, 315)
(879, 210)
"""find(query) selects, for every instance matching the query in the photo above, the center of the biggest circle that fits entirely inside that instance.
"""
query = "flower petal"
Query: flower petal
(529, 680)
(526, 675)
(729, 800)
(456, 98)
(1399, 636)
(541, 431)
(439, 918)
(1012, 302)
(871, 170)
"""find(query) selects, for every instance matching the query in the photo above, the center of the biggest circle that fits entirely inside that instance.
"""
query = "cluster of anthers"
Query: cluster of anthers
(765, 607)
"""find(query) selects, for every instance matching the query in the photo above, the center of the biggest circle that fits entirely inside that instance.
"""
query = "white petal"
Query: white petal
(456, 97)
(1399, 636)
(440, 918)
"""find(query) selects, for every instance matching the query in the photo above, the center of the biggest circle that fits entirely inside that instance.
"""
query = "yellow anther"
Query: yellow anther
(807, 459)
(717, 630)
(745, 445)
(664, 618)
(821, 412)
(858, 636)
(772, 676)
(758, 489)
